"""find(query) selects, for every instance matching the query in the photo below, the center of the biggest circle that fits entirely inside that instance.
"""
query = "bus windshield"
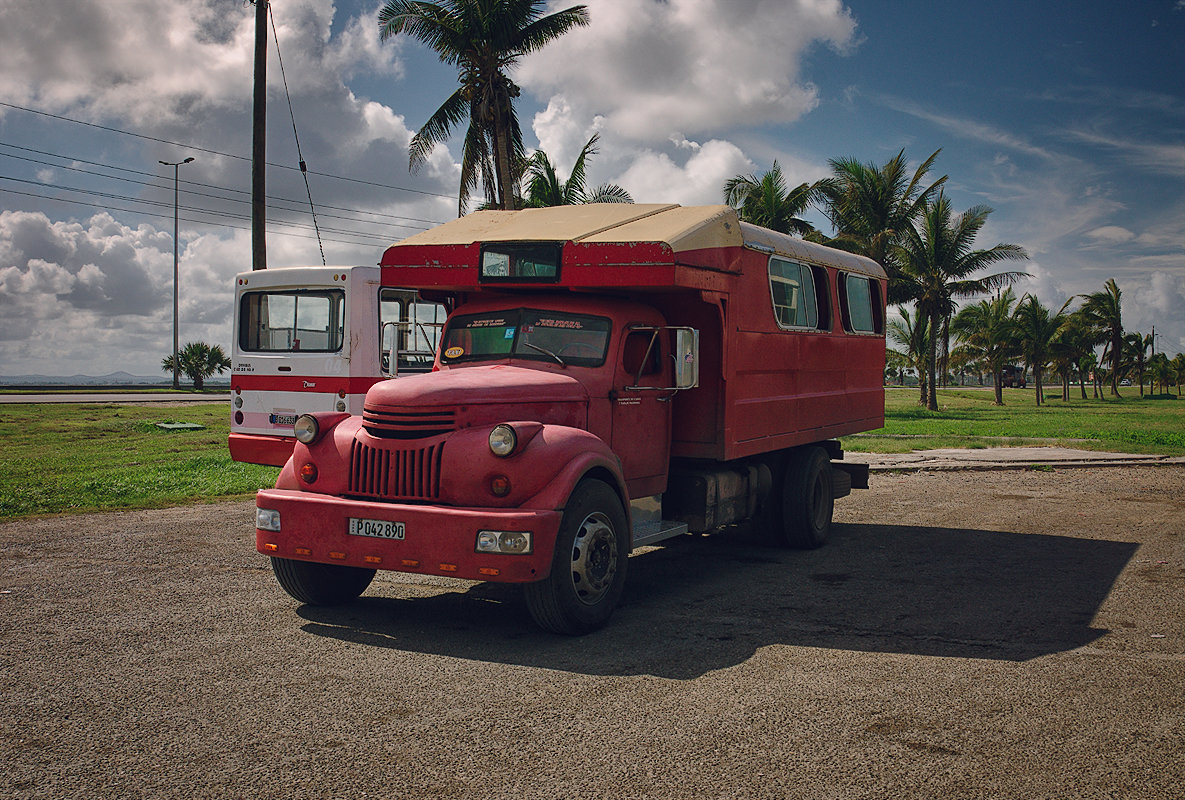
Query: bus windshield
(575, 339)
(292, 320)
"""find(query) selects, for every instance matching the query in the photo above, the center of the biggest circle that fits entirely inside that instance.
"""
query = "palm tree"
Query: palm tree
(1035, 330)
(1076, 340)
(914, 335)
(1135, 349)
(483, 39)
(872, 207)
(1160, 370)
(198, 361)
(1178, 364)
(937, 265)
(544, 187)
(988, 331)
(1103, 310)
(765, 201)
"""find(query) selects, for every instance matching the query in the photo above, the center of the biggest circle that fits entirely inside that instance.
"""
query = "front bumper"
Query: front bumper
(438, 540)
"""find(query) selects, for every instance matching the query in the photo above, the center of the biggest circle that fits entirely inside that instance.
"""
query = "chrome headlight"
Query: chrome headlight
(267, 519)
(503, 440)
(306, 429)
(516, 543)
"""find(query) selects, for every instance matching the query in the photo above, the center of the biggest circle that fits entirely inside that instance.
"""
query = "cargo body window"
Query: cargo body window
(292, 321)
(860, 299)
(535, 262)
(799, 295)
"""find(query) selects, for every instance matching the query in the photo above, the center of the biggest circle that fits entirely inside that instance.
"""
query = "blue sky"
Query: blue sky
(1067, 118)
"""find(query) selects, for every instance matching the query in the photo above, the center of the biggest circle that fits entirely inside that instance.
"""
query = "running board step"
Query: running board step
(649, 526)
(657, 532)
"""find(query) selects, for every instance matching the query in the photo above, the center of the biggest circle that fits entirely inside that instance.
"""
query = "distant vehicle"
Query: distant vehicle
(315, 339)
(1125, 382)
(1013, 377)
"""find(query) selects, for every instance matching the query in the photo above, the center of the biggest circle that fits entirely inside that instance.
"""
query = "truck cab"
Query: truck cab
(608, 377)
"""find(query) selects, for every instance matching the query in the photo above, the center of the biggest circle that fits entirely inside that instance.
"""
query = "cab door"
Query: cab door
(642, 416)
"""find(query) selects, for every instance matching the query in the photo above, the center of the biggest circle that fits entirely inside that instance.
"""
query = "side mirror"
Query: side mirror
(686, 358)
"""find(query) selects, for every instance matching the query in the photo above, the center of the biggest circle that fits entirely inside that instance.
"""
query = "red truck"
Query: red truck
(609, 376)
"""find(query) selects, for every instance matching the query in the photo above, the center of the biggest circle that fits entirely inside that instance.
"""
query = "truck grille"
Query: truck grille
(395, 474)
(407, 424)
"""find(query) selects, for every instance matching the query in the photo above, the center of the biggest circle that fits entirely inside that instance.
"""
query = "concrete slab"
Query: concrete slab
(998, 458)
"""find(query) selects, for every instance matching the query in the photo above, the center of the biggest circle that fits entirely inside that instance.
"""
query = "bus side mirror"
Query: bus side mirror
(686, 358)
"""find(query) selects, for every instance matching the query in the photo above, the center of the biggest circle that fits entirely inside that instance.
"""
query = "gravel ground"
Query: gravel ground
(965, 635)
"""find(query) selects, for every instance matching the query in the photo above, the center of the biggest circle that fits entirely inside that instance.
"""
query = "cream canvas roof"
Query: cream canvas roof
(681, 228)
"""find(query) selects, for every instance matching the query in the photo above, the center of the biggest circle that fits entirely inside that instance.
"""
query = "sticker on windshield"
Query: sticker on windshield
(454, 352)
(509, 334)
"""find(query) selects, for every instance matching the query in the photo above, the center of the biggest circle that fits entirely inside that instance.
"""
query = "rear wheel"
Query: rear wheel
(321, 584)
(807, 498)
(588, 568)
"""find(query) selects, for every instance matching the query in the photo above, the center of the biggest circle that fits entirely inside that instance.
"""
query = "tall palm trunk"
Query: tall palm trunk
(931, 367)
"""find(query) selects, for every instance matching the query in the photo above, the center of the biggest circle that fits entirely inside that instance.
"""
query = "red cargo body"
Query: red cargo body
(567, 328)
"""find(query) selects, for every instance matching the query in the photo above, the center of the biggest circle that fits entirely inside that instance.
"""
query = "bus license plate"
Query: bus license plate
(376, 528)
(282, 419)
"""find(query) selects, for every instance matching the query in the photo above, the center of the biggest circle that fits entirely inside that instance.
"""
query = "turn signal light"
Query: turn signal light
(337, 556)
(373, 559)
(448, 567)
(303, 551)
(500, 486)
(271, 547)
(308, 473)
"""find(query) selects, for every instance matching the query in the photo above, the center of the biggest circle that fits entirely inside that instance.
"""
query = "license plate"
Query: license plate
(376, 528)
(282, 419)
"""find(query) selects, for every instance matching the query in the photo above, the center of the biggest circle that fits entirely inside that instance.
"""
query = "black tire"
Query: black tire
(589, 566)
(807, 498)
(321, 584)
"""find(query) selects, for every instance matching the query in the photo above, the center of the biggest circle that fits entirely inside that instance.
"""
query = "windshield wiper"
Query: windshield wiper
(547, 352)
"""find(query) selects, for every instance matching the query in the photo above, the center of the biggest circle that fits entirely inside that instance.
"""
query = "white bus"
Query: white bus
(315, 339)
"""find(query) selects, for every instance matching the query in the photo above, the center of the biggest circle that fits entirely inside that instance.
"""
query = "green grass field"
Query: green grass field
(70, 458)
(968, 419)
(74, 458)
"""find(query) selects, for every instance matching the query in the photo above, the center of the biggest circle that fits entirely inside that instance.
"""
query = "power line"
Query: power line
(205, 194)
(361, 238)
(271, 198)
(218, 152)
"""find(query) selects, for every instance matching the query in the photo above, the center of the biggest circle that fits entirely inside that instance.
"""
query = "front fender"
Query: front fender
(468, 467)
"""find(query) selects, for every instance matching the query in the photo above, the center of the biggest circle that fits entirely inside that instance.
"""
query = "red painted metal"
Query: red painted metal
(419, 453)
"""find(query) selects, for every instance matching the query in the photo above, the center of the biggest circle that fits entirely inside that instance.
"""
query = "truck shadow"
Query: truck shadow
(707, 603)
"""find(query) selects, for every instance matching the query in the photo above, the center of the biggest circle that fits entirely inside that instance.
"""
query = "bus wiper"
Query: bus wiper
(547, 352)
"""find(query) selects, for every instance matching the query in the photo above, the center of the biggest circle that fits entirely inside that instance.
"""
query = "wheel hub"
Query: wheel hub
(594, 558)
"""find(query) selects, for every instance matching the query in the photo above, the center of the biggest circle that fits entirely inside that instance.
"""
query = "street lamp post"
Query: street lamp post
(176, 366)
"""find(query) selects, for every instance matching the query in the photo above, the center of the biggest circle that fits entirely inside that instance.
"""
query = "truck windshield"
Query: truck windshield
(292, 320)
(529, 333)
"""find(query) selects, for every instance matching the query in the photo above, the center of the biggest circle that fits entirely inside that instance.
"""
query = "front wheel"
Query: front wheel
(321, 584)
(589, 565)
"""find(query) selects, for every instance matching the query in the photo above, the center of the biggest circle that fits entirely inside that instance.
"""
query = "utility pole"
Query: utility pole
(259, 142)
(176, 365)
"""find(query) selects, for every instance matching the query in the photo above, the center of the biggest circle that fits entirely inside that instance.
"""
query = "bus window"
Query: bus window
(792, 287)
(291, 321)
(859, 311)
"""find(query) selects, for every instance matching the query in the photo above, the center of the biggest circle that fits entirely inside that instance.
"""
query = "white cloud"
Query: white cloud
(1111, 233)
(696, 66)
(654, 177)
